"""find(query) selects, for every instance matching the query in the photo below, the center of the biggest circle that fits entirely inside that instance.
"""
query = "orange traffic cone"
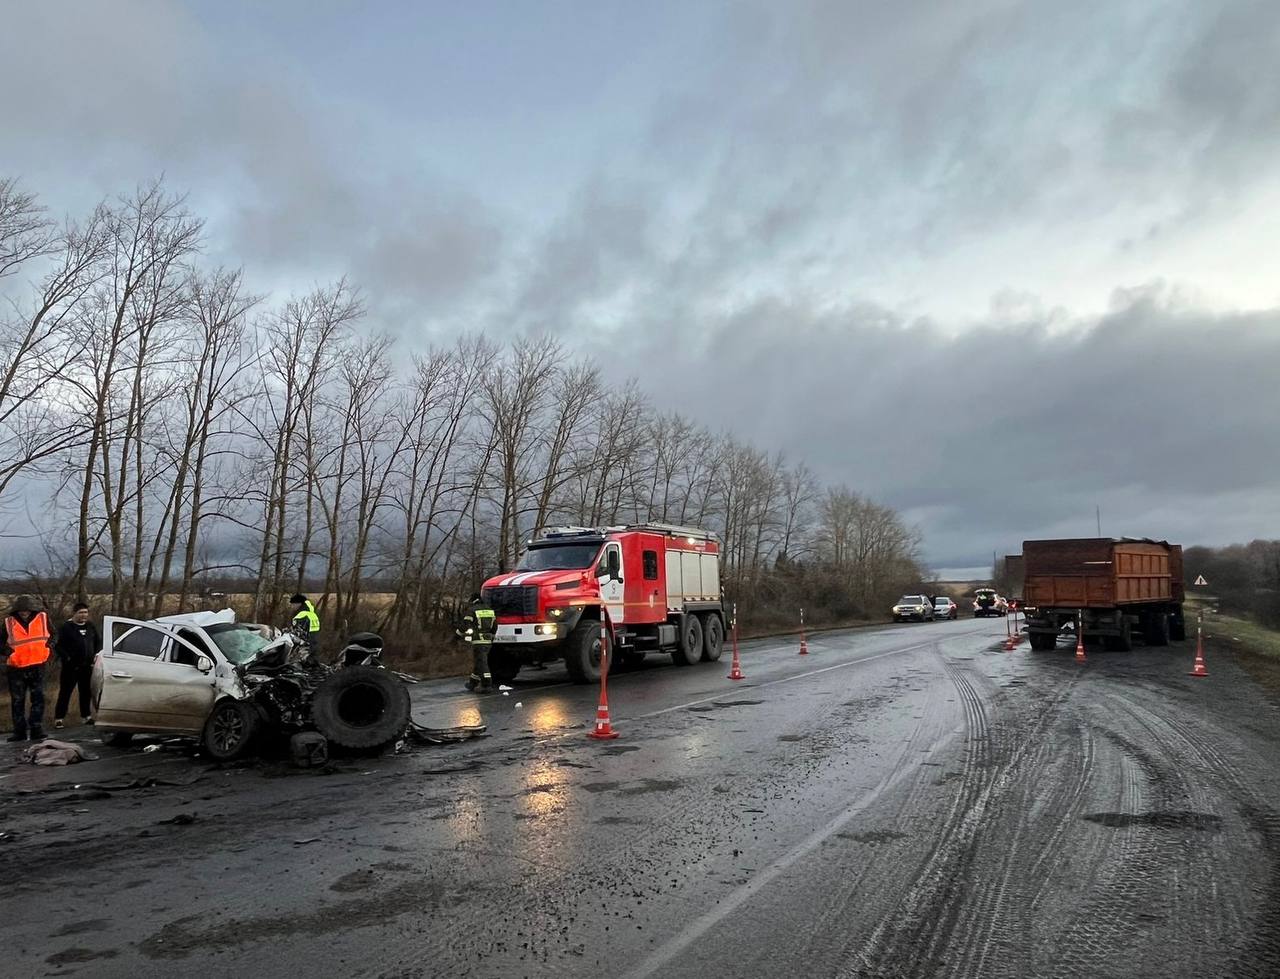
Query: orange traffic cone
(1198, 669)
(736, 672)
(1080, 657)
(603, 730)
(804, 646)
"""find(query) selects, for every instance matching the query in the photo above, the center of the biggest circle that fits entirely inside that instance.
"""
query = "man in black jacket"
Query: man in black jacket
(78, 644)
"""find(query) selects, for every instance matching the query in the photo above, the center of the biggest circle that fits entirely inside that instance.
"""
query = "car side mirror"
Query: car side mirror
(204, 664)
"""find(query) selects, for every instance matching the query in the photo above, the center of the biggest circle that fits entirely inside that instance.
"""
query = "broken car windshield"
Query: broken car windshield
(558, 557)
(237, 641)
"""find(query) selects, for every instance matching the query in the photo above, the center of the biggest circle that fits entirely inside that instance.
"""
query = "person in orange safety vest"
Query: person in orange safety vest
(26, 643)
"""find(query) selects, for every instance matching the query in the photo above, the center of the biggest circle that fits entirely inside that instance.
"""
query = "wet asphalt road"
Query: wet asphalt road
(905, 801)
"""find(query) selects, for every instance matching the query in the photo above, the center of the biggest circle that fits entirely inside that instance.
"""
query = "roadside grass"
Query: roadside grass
(1255, 647)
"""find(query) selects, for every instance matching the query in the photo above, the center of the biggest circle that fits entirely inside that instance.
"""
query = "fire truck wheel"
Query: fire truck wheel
(503, 664)
(582, 652)
(712, 638)
(690, 649)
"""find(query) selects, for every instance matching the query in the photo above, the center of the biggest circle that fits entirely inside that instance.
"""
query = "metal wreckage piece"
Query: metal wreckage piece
(357, 703)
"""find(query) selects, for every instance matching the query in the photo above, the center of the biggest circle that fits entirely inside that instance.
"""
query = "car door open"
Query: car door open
(153, 679)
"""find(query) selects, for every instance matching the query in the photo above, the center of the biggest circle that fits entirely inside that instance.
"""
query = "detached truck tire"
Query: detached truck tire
(361, 707)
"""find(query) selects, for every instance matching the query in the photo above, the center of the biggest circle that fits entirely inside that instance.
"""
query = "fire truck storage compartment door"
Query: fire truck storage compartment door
(710, 576)
(692, 577)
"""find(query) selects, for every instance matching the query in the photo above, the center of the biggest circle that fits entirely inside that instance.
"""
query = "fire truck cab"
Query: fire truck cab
(656, 588)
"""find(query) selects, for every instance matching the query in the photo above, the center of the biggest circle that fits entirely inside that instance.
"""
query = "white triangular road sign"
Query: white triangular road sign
(1200, 580)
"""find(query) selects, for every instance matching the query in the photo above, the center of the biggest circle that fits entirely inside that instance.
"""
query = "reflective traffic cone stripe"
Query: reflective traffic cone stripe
(736, 672)
(603, 730)
(1080, 657)
(1198, 669)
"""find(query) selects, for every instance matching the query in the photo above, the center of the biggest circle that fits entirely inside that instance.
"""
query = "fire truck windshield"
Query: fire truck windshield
(558, 557)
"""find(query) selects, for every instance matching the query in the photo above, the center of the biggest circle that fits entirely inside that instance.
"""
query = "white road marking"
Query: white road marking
(745, 892)
(785, 679)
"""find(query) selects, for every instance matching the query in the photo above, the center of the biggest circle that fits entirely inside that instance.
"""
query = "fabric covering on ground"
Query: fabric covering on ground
(50, 752)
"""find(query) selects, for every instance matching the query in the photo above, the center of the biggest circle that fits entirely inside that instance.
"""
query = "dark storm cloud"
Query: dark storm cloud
(1159, 412)
(296, 188)
(759, 255)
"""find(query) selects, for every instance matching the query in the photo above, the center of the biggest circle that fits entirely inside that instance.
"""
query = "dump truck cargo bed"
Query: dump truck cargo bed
(1111, 588)
(1097, 573)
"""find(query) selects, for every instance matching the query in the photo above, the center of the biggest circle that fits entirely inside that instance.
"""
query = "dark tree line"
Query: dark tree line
(191, 435)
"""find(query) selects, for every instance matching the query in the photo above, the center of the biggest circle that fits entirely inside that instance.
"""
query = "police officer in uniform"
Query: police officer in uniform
(479, 623)
(306, 623)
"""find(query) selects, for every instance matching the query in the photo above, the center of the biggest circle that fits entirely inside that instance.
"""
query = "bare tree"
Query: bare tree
(148, 237)
(211, 367)
(300, 345)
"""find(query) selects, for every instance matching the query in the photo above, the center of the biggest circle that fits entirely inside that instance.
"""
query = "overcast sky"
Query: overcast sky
(993, 263)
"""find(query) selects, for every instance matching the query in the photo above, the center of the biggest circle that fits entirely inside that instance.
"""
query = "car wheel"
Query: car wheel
(230, 729)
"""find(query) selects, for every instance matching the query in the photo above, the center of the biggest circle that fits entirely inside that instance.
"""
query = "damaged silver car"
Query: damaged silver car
(231, 683)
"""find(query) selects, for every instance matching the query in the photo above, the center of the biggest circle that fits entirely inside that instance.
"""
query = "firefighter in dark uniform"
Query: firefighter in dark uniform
(479, 623)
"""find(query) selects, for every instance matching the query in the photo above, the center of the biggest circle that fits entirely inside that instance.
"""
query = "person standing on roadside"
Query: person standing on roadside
(479, 623)
(26, 644)
(305, 624)
(78, 643)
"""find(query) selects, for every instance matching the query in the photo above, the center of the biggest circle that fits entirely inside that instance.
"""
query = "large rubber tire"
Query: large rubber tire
(582, 652)
(1157, 631)
(231, 729)
(1043, 641)
(712, 638)
(361, 707)
(1122, 643)
(503, 664)
(689, 651)
(1177, 627)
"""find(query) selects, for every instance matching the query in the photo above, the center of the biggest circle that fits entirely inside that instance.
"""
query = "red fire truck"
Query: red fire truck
(657, 587)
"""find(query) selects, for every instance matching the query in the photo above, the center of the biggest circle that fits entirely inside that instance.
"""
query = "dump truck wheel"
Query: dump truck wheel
(712, 638)
(1043, 641)
(690, 649)
(1122, 643)
(582, 652)
(1157, 630)
(503, 664)
(230, 731)
(1177, 627)
(361, 707)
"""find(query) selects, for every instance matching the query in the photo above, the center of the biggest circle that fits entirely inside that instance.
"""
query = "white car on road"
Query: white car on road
(165, 675)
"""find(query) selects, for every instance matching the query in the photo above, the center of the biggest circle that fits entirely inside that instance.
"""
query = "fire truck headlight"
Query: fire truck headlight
(556, 613)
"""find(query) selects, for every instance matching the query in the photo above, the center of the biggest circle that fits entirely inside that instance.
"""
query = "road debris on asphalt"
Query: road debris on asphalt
(51, 752)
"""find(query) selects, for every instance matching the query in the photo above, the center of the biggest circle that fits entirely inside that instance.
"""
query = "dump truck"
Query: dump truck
(654, 587)
(1113, 587)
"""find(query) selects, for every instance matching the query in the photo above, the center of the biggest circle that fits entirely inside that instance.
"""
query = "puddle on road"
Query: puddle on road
(619, 749)
(704, 708)
(357, 880)
(1200, 822)
(644, 787)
